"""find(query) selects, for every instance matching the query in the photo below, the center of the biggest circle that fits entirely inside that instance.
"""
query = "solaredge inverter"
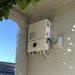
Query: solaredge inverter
(39, 35)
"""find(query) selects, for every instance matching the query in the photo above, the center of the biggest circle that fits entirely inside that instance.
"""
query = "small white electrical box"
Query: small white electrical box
(39, 35)
(58, 44)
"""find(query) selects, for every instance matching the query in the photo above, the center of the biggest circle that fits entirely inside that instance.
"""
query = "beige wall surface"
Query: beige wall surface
(21, 56)
(59, 61)
(21, 46)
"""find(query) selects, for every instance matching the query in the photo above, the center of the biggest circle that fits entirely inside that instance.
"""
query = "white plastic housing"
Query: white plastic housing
(59, 43)
(40, 45)
(38, 34)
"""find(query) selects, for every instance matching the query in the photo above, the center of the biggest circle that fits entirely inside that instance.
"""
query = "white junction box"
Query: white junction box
(39, 34)
(58, 44)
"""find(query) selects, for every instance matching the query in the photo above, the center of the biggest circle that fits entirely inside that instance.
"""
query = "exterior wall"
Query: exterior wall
(21, 56)
(59, 61)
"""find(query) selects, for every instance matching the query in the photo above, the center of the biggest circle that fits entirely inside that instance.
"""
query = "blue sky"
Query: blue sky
(8, 36)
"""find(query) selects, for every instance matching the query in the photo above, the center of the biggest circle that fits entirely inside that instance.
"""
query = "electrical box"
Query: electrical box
(58, 43)
(39, 35)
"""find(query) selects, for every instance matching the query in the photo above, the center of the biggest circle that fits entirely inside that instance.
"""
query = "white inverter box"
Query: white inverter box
(39, 35)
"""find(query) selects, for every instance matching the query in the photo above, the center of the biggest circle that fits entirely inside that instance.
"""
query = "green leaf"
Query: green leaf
(34, 3)
(6, 5)
(28, 1)
(24, 10)
(22, 4)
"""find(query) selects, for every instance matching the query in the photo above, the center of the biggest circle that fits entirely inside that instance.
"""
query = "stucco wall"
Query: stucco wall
(59, 61)
(21, 44)
(21, 56)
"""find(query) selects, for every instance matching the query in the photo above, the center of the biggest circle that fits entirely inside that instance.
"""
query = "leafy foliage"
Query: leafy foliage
(6, 5)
